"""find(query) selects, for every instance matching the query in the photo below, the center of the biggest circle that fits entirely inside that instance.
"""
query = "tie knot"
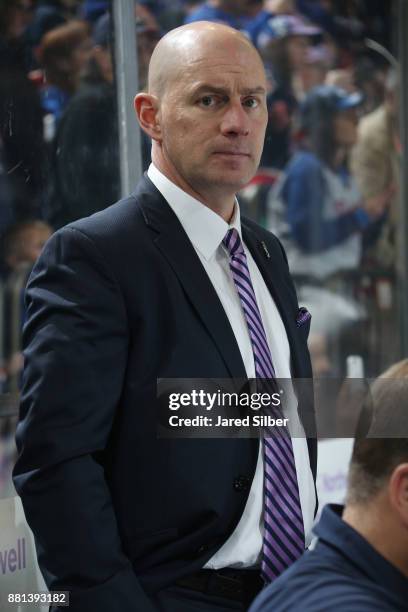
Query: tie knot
(232, 242)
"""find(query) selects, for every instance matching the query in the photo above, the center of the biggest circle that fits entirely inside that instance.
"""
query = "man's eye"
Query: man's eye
(251, 102)
(207, 101)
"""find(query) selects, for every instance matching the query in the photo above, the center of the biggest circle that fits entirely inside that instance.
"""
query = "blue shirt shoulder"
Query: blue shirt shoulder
(302, 163)
(343, 572)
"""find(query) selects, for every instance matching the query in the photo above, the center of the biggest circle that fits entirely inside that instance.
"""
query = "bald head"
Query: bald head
(205, 111)
(187, 45)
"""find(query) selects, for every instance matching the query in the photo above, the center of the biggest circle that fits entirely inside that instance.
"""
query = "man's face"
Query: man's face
(297, 47)
(81, 55)
(345, 127)
(213, 117)
(33, 241)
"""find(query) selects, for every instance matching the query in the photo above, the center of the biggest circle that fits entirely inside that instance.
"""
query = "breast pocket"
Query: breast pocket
(304, 330)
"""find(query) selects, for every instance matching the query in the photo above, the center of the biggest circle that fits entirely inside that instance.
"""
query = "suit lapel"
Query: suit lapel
(176, 247)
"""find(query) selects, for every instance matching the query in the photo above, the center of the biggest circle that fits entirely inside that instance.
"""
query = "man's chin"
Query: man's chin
(233, 179)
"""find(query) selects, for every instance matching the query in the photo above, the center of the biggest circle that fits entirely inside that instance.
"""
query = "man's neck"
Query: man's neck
(379, 527)
(222, 204)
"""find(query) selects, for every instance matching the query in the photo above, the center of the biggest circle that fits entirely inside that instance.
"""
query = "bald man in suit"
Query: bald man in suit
(146, 290)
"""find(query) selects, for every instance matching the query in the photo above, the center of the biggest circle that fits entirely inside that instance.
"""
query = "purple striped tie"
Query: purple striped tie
(284, 539)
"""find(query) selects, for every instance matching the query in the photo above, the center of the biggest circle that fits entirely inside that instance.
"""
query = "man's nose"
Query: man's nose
(235, 120)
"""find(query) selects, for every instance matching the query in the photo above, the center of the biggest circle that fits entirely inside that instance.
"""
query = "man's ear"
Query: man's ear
(147, 112)
(398, 490)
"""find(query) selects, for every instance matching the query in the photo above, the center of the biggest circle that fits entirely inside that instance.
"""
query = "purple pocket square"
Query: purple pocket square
(303, 316)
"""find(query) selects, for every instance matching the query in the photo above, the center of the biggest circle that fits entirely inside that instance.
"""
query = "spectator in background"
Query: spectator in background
(284, 43)
(99, 68)
(375, 163)
(238, 14)
(323, 206)
(342, 23)
(22, 246)
(93, 10)
(318, 60)
(164, 14)
(63, 54)
(15, 17)
(343, 78)
(147, 38)
(360, 561)
(24, 242)
(281, 7)
(22, 153)
(84, 158)
(369, 75)
(47, 15)
(343, 27)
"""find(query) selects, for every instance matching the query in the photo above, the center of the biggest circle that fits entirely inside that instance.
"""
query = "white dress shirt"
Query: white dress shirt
(206, 230)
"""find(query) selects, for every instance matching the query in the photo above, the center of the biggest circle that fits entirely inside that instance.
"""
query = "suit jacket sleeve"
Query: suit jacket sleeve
(75, 344)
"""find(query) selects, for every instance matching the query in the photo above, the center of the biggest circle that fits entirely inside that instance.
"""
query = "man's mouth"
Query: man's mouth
(232, 153)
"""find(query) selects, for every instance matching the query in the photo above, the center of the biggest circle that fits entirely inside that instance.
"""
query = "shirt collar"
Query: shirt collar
(334, 531)
(202, 225)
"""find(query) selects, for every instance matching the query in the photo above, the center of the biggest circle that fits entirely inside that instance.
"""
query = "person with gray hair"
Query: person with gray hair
(375, 163)
(360, 561)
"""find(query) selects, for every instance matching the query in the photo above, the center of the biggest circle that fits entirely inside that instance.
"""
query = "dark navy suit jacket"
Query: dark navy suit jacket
(343, 572)
(116, 301)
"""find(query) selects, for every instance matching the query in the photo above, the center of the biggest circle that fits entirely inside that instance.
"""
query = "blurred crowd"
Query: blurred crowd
(329, 176)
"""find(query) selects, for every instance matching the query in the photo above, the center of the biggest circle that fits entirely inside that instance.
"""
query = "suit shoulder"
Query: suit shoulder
(122, 220)
(113, 234)
(109, 221)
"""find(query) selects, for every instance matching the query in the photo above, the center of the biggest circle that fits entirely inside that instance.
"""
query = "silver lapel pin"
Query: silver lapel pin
(265, 250)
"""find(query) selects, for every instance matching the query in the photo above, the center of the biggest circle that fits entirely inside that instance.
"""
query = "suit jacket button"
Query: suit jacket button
(241, 483)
